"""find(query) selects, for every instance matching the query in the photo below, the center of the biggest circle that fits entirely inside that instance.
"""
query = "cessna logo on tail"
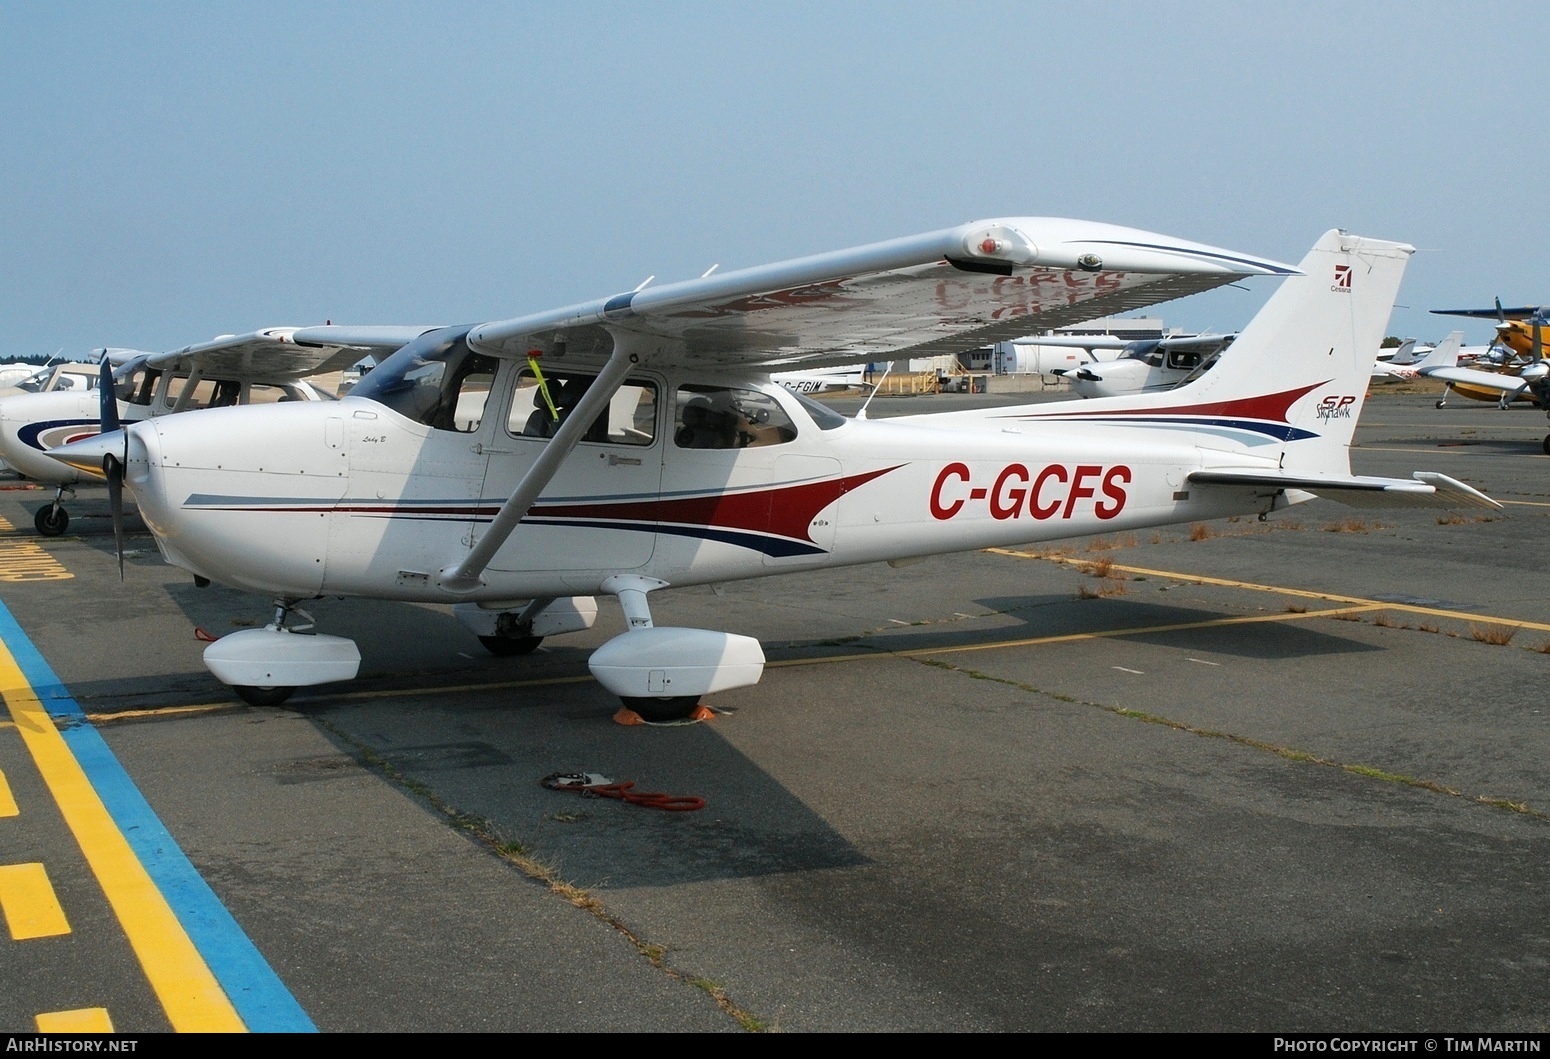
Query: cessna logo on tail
(1342, 282)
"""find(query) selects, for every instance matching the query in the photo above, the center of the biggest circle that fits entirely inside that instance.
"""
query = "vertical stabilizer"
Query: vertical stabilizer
(1311, 349)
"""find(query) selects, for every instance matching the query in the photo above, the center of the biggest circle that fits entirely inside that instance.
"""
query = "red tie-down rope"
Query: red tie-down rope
(593, 785)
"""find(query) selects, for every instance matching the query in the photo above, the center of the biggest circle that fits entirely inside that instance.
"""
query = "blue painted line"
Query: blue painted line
(260, 998)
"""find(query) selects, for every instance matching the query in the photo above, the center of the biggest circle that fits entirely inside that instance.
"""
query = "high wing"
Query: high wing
(1508, 383)
(941, 292)
(281, 353)
(1498, 313)
(1426, 489)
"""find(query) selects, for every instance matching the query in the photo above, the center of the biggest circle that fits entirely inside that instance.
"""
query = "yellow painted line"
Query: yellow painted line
(82, 1020)
(26, 560)
(7, 802)
(188, 991)
(1282, 590)
(28, 903)
(165, 711)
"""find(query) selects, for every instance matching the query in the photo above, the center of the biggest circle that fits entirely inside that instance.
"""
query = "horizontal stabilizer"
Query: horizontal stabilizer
(1424, 489)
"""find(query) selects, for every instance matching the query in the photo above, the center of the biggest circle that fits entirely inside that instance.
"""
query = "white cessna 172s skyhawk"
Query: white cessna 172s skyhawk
(635, 443)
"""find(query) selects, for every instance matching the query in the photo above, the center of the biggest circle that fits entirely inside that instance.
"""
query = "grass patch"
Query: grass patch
(1108, 586)
(1497, 635)
(1199, 531)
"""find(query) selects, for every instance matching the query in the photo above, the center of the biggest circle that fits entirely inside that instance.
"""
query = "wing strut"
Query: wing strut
(466, 576)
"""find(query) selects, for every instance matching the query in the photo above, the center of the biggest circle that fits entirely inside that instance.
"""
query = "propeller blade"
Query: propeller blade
(107, 399)
(113, 471)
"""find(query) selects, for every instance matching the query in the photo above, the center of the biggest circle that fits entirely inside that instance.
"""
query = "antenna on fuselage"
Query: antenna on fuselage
(861, 412)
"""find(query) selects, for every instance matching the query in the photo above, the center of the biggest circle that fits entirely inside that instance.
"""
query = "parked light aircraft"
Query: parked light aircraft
(635, 443)
(1517, 329)
(1530, 380)
(78, 375)
(824, 380)
(1412, 361)
(1147, 365)
(263, 366)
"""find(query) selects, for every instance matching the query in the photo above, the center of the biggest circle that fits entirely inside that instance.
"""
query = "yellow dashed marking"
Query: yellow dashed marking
(82, 1020)
(193, 999)
(28, 903)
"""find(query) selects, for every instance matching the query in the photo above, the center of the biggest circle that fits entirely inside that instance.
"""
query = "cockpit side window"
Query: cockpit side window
(542, 403)
(725, 417)
(137, 386)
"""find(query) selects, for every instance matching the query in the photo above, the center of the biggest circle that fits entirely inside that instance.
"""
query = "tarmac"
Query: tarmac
(1279, 776)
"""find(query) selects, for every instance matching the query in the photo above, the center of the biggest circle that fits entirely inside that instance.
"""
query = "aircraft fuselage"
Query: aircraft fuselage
(360, 500)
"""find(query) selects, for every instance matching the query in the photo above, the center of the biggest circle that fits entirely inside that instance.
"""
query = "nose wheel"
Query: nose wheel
(53, 520)
(511, 646)
(263, 667)
(255, 696)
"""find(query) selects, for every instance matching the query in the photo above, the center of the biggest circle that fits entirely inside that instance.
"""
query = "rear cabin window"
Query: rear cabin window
(725, 417)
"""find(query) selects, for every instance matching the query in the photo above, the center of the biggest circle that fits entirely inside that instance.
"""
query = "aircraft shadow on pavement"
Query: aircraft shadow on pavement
(1120, 619)
(460, 728)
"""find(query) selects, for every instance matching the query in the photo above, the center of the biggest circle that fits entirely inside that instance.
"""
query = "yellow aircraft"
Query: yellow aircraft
(1518, 344)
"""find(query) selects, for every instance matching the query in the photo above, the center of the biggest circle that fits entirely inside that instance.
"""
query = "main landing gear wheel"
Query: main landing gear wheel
(262, 696)
(51, 521)
(511, 646)
(1442, 404)
(656, 711)
(1546, 445)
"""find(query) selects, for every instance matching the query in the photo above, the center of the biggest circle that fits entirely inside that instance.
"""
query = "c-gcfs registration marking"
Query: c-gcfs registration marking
(1018, 492)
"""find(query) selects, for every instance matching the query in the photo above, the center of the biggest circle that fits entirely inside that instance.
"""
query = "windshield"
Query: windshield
(425, 379)
(35, 382)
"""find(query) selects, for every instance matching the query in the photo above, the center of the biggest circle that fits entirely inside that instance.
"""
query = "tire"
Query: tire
(511, 646)
(1439, 404)
(1546, 445)
(51, 521)
(673, 708)
(262, 696)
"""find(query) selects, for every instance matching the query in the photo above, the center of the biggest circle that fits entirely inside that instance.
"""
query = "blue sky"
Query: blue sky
(172, 171)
